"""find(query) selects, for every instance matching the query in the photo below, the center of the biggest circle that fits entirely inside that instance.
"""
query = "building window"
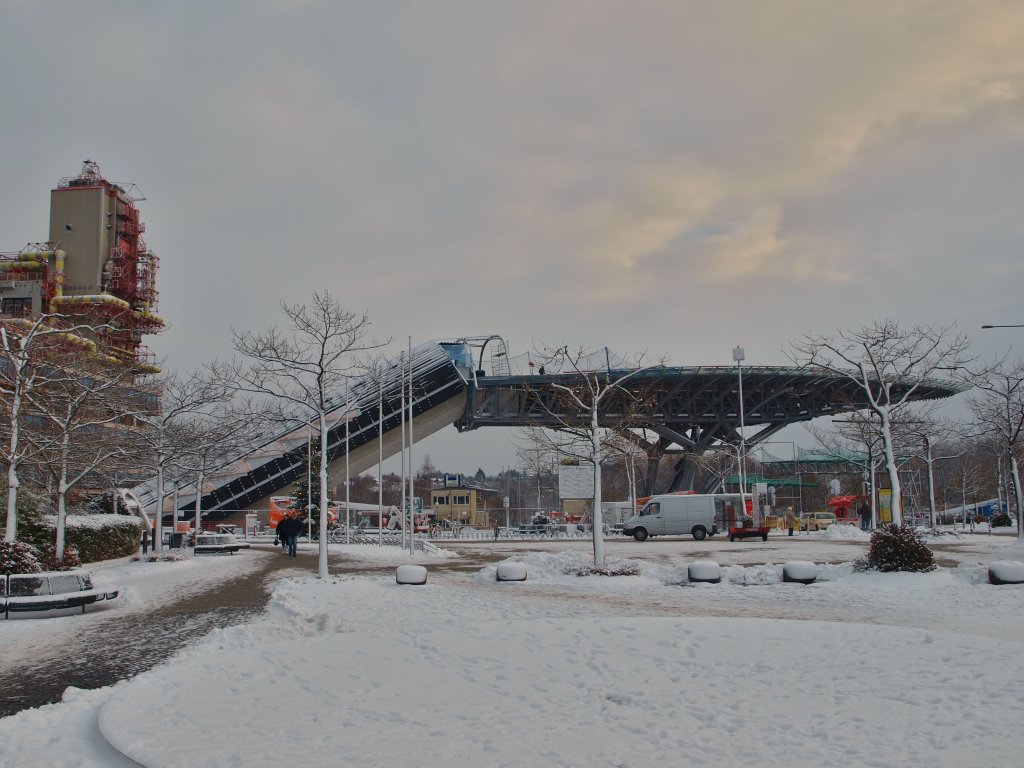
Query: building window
(16, 307)
(440, 501)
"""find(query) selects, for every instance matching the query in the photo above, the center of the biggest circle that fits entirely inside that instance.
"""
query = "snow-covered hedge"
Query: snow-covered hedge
(94, 537)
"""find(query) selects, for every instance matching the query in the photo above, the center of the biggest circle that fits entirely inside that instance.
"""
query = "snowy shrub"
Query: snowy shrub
(1002, 520)
(613, 568)
(166, 555)
(71, 559)
(897, 548)
(18, 557)
(103, 505)
(95, 537)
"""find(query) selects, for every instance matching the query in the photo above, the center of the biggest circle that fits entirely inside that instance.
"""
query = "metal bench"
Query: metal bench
(48, 591)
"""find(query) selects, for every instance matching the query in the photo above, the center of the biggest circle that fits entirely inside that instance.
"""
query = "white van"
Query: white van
(677, 515)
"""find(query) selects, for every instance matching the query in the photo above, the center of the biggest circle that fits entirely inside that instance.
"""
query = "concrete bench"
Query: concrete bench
(214, 543)
(49, 591)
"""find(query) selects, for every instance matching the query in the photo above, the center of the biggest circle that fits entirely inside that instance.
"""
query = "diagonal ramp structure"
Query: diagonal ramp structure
(688, 410)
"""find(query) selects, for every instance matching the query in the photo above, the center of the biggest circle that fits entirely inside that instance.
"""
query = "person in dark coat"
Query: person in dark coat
(865, 517)
(288, 532)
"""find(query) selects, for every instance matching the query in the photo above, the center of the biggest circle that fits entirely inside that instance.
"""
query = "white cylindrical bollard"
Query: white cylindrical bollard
(511, 571)
(704, 571)
(411, 574)
(800, 572)
(1006, 572)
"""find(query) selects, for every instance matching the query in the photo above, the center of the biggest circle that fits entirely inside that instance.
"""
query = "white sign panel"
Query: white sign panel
(576, 482)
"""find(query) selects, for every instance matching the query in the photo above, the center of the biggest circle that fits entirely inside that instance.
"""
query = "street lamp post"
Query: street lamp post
(738, 356)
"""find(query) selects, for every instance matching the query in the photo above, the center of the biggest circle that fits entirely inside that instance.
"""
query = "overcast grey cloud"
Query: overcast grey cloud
(673, 177)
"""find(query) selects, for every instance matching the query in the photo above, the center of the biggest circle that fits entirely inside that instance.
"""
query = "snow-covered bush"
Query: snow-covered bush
(897, 548)
(71, 559)
(18, 557)
(94, 537)
(611, 567)
(1001, 520)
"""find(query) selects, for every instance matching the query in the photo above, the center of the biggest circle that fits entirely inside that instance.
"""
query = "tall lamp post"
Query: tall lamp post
(738, 356)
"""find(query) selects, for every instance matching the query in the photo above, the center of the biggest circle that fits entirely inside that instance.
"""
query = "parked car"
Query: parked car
(817, 521)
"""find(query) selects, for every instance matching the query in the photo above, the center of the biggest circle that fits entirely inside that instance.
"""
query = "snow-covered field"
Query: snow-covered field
(857, 669)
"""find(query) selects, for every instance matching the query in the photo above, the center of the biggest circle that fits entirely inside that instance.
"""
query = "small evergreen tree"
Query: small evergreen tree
(305, 496)
(897, 548)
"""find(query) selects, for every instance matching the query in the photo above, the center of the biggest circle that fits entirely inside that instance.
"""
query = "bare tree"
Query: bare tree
(211, 434)
(589, 400)
(998, 410)
(164, 439)
(888, 364)
(31, 355)
(302, 368)
(82, 403)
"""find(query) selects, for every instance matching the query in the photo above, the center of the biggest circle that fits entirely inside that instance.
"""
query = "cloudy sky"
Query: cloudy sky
(673, 177)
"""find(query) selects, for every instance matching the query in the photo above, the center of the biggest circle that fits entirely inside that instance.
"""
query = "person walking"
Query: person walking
(288, 531)
(865, 517)
(790, 520)
(497, 530)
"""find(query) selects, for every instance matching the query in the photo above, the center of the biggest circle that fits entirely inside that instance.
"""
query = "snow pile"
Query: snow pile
(560, 567)
(846, 533)
(387, 554)
(753, 574)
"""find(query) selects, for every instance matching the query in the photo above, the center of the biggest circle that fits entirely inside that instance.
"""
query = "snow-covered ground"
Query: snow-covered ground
(856, 669)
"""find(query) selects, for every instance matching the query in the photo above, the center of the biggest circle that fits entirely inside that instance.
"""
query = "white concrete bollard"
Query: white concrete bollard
(511, 571)
(411, 574)
(800, 572)
(1006, 572)
(704, 571)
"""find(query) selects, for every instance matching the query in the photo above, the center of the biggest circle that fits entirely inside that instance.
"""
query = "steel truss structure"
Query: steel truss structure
(689, 410)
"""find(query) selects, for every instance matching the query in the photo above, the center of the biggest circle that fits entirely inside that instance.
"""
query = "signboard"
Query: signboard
(453, 481)
(576, 482)
(885, 505)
